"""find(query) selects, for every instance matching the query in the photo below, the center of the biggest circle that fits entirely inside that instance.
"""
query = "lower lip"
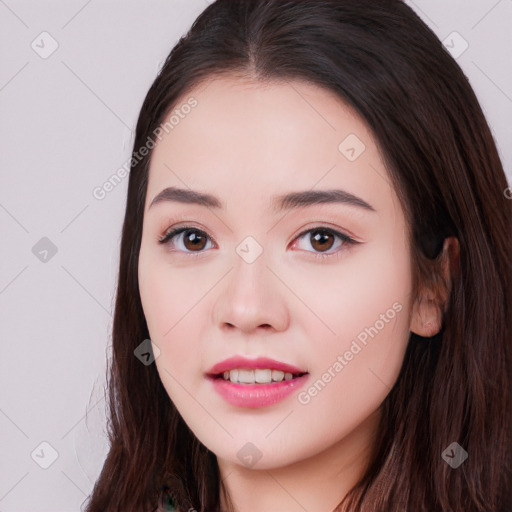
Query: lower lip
(256, 395)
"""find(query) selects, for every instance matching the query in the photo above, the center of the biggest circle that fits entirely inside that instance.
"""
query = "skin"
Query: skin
(244, 142)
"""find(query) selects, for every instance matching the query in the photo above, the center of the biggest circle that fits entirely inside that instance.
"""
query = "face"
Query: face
(315, 295)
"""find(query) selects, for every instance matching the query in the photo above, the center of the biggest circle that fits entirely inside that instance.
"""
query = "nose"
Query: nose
(251, 298)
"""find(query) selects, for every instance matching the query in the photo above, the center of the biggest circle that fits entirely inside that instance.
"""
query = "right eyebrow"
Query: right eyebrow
(183, 195)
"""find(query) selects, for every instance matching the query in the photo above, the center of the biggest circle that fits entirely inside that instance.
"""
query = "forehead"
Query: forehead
(246, 140)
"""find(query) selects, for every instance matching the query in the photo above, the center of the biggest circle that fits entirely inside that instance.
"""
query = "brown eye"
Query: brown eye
(321, 240)
(193, 240)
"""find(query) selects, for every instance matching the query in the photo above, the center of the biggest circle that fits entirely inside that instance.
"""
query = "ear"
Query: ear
(432, 298)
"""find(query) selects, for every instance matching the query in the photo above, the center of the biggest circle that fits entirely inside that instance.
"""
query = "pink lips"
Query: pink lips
(255, 395)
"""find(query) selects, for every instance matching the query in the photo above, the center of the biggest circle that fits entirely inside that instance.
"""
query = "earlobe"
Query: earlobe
(426, 318)
(432, 301)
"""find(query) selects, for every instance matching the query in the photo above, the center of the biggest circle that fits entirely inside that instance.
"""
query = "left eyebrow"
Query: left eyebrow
(278, 203)
(311, 197)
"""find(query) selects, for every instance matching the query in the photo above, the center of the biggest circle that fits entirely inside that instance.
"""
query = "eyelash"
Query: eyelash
(347, 240)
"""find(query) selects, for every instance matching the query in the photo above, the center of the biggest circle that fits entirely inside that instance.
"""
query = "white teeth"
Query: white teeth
(263, 376)
(277, 375)
(259, 376)
(246, 376)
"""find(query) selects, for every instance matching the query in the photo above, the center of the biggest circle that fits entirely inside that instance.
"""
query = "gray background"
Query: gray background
(65, 127)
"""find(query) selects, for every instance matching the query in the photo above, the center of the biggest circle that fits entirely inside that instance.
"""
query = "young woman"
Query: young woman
(317, 243)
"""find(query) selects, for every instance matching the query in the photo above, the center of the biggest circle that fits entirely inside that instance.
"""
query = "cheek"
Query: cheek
(154, 294)
(164, 296)
(173, 313)
(345, 298)
(374, 283)
(366, 305)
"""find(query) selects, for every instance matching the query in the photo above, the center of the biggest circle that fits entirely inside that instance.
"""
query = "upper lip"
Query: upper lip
(260, 362)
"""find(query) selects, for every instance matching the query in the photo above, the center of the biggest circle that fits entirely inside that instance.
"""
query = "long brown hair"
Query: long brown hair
(380, 58)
